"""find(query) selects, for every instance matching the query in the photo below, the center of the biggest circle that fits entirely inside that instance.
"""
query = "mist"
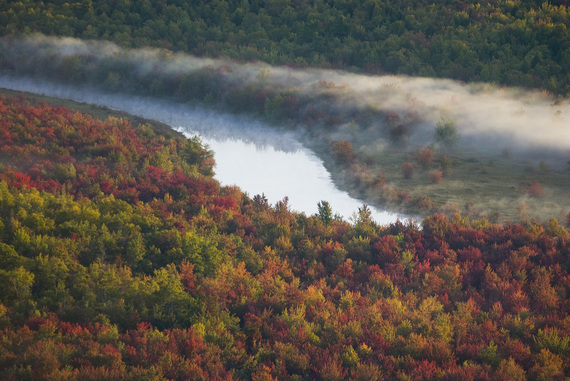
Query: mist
(210, 124)
(489, 119)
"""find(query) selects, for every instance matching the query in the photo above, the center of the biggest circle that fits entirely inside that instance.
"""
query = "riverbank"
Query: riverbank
(500, 187)
(249, 155)
(97, 111)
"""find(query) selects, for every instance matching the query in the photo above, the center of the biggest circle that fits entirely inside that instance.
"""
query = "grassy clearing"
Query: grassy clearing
(497, 188)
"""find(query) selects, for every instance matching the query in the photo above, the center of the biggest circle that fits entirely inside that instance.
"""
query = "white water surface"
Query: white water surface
(257, 158)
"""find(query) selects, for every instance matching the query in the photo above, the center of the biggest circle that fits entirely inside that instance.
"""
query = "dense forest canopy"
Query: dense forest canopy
(514, 42)
(121, 258)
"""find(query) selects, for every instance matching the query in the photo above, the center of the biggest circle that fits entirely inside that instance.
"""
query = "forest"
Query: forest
(508, 42)
(122, 258)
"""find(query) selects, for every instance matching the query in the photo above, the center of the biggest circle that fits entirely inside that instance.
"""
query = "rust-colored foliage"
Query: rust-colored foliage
(435, 176)
(425, 157)
(534, 189)
(408, 170)
(117, 261)
(343, 151)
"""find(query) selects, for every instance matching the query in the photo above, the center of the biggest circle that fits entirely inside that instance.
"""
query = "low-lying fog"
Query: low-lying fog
(488, 118)
(255, 157)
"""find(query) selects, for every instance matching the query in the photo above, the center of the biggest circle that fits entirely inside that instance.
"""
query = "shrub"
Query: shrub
(534, 189)
(435, 176)
(408, 170)
(379, 180)
(446, 132)
(445, 164)
(343, 151)
(403, 196)
(399, 133)
(424, 157)
(423, 203)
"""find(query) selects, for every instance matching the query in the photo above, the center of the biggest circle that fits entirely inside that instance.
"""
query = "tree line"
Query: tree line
(514, 42)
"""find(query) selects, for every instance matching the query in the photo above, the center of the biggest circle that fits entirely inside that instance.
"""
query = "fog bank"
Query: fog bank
(488, 118)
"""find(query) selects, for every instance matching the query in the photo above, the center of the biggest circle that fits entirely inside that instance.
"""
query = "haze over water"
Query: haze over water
(249, 154)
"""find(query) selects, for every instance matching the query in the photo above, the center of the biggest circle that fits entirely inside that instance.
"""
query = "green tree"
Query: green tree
(17, 291)
(446, 132)
(324, 212)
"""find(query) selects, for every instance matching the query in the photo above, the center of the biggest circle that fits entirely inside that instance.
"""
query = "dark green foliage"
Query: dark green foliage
(446, 132)
(324, 211)
(522, 43)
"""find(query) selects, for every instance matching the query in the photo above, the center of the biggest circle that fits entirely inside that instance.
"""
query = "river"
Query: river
(257, 158)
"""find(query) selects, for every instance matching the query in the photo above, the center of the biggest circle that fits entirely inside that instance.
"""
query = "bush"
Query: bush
(445, 163)
(379, 180)
(403, 196)
(424, 157)
(399, 133)
(534, 189)
(423, 203)
(435, 176)
(343, 151)
(446, 132)
(408, 170)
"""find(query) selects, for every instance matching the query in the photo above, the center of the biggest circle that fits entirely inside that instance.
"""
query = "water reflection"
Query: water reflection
(299, 175)
(254, 157)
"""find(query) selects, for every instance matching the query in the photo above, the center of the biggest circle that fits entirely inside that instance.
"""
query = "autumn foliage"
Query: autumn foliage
(122, 258)
(408, 170)
(435, 176)
(343, 151)
(425, 157)
(535, 189)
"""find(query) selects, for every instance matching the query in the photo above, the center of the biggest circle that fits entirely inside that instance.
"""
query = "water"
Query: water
(249, 154)
(299, 175)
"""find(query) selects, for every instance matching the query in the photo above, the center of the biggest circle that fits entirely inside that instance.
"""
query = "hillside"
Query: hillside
(121, 258)
(515, 42)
